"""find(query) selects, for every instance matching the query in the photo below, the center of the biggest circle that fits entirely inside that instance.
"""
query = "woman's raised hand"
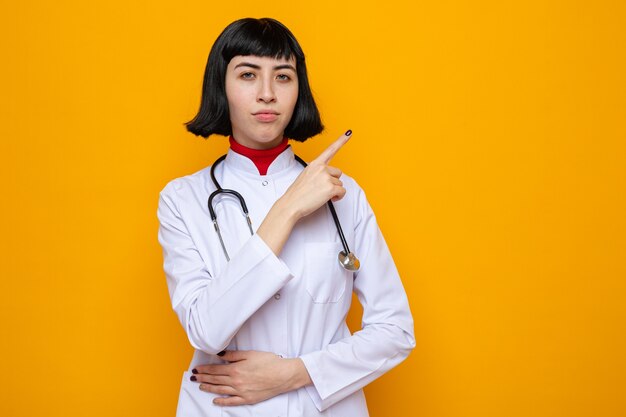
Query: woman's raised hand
(317, 183)
(315, 186)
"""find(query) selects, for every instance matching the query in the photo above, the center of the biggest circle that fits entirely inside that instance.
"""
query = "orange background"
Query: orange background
(490, 139)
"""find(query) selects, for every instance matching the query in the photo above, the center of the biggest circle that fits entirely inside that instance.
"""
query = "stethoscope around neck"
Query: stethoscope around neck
(346, 258)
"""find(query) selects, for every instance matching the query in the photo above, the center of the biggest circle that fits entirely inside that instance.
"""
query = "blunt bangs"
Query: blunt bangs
(264, 37)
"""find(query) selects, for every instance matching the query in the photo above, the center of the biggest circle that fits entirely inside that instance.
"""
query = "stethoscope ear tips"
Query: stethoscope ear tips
(348, 262)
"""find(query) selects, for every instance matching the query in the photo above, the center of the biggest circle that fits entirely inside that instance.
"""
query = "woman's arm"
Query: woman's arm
(387, 335)
(200, 299)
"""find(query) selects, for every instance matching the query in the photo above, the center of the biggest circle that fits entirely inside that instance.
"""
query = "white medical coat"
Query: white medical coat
(295, 304)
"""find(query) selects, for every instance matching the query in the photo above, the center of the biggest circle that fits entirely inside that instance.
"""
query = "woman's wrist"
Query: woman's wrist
(277, 226)
(299, 375)
(287, 210)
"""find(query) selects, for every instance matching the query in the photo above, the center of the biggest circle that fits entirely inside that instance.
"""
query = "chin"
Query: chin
(262, 134)
(268, 136)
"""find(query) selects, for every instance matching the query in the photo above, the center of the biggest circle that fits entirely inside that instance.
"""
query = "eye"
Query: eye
(283, 77)
(247, 75)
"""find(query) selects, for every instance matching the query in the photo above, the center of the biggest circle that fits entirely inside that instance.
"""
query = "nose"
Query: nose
(266, 92)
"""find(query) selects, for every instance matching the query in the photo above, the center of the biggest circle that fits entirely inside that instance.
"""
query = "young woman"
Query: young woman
(263, 299)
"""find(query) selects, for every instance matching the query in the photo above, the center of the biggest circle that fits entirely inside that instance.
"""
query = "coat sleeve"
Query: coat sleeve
(387, 335)
(203, 303)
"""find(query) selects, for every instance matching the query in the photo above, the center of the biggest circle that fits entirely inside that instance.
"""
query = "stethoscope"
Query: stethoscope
(346, 258)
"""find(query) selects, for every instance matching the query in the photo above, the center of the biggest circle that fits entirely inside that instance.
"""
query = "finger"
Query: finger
(213, 369)
(334, 147)
(336, 181)
(218, 389)
(234, 355)
(335, 172)
(214, 379)
(339, 193)
(233, 400)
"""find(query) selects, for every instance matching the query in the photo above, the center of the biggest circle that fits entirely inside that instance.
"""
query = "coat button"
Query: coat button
(264, 183)
(277, 296)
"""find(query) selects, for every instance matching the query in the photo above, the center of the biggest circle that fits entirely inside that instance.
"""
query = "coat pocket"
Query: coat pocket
(192, 402)
(325, 280)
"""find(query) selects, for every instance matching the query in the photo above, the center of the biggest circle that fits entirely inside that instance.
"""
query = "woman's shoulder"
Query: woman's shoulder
(188, 182)
(349, 181)
(355, 200)
(352, 186)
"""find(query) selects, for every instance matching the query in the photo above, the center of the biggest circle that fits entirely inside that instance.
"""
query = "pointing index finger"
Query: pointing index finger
(328, 153)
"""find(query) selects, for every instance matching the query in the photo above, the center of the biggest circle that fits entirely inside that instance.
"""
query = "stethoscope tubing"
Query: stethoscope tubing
(220, 190)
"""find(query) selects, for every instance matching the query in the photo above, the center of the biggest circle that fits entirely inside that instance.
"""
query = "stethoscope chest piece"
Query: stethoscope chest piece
(349, 261)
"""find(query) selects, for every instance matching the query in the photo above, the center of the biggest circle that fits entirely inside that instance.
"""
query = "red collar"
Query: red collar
(262, 158)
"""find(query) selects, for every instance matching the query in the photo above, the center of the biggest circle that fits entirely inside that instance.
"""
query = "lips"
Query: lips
(266, 115)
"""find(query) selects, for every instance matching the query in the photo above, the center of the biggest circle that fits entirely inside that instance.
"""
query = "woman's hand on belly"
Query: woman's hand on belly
(251, 376)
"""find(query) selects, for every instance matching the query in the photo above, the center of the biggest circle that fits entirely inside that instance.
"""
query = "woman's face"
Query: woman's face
(262, 94)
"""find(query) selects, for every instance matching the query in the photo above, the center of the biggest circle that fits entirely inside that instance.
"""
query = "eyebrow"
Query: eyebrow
(255, 66)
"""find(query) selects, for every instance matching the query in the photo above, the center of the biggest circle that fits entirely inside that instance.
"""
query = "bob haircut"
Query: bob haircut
(264, 37)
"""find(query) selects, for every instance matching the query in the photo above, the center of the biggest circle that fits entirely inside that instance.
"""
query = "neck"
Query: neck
(262, 158)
